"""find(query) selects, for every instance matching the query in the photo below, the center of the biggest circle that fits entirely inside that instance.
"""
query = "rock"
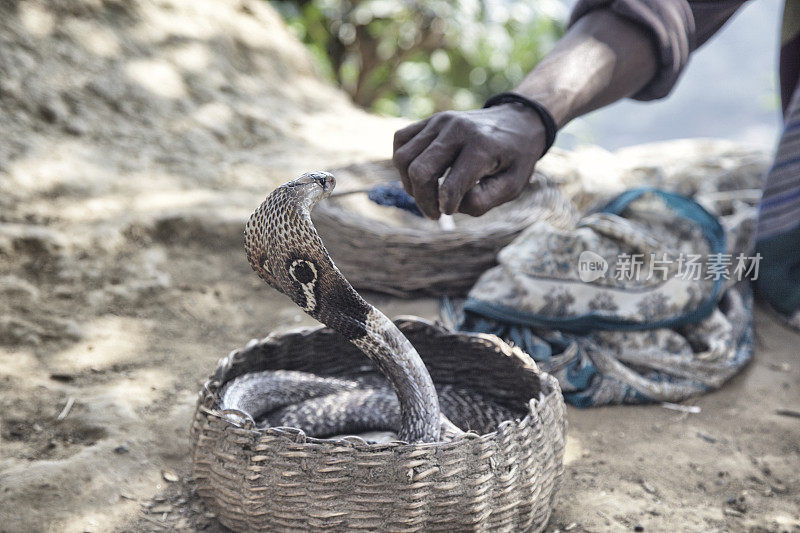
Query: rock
(18, 289)
(198, 228)
(738, 503)
(53, 110)
(32, 241)
(706, 437)
(68, 330)
(650, 489)
(76, 127)
(15, 331)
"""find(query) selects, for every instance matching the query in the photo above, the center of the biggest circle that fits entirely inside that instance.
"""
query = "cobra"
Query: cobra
(285, 250)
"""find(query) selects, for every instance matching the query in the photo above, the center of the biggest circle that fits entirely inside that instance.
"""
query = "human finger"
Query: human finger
(470, 166)
(493, 191)
(424, 173)
(408, 152)
(404, 135)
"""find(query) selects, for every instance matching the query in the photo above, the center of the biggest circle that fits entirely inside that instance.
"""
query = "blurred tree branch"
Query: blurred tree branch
(413, 57)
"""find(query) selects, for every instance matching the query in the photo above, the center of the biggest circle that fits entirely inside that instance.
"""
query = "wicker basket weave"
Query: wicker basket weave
(388, 250)
(279, 479)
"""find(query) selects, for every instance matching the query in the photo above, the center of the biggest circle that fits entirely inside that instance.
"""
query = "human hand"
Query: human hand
(491, 153)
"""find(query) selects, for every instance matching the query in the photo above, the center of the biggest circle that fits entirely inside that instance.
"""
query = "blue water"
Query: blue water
(729, 91)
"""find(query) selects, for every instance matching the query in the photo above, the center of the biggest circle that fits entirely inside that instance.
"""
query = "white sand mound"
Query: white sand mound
(102, 96)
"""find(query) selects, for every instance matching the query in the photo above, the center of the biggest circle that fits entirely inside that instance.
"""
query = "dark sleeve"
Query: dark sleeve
(676, 27)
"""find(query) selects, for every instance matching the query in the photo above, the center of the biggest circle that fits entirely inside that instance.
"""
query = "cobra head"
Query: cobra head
(282, 245)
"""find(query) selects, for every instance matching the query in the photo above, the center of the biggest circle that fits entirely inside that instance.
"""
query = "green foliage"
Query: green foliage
(412, 58)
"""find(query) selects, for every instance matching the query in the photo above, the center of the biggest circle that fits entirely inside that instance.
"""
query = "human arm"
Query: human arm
(611, 50)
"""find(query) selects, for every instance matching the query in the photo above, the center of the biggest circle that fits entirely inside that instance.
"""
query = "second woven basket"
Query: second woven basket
(388, 250)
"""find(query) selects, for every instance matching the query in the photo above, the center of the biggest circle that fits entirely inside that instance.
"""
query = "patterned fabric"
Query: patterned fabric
(779, 222)
(779, 212)
(674, 326)
(790, 51)
(780, 204)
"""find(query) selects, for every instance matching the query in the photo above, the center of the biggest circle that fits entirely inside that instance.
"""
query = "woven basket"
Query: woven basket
(279, 479)
(388, 250)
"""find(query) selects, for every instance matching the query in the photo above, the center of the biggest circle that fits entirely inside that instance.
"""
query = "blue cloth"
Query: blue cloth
(392, 195)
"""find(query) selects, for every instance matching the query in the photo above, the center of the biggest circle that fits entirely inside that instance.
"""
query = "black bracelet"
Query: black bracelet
(547, 119)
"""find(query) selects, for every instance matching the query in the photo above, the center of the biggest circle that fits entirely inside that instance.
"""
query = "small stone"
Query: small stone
(778, 486)
(53, 110)
(71, 330)
(780, 367)
(76, 127)
(738, 503)
(13, 286)
(121, 449)
(650, 489)
(32, 339)
(706, 437)
(170, 476)
(638, 528)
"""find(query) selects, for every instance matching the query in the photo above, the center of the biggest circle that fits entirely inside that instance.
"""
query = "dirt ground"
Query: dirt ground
(135, 138)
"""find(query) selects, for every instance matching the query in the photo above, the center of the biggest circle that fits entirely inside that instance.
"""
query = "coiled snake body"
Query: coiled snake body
(285, 250)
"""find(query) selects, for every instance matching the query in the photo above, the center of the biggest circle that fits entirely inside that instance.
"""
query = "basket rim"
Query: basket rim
(209, 398)
(297, 436)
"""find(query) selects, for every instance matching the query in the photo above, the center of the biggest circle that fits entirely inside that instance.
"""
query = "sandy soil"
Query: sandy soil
(136, 137)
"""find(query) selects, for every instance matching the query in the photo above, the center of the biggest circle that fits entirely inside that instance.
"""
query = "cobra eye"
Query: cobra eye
(303, 271)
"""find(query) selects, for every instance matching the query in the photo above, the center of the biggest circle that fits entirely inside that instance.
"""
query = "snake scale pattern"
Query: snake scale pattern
(284, 249)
